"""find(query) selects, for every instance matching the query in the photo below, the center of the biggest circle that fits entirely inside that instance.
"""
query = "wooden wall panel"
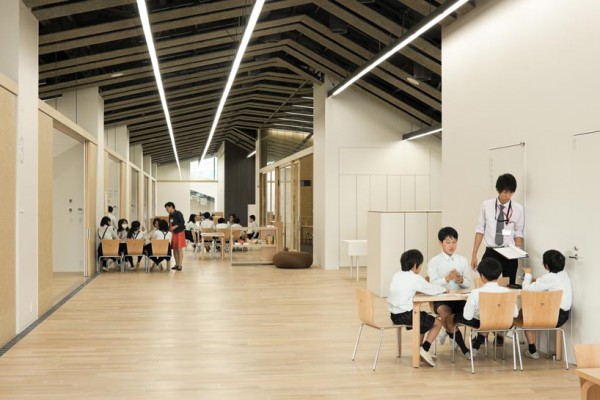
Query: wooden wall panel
(91, 160)
(8, 130)
(45, 182)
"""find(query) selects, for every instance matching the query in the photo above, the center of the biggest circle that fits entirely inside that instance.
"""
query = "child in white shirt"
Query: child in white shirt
(404, 285)
(556, 279)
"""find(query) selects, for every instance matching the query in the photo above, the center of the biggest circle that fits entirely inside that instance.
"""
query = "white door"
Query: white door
(585, 217)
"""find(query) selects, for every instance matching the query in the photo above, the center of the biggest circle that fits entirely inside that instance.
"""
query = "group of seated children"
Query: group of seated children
(160, 231)
(450, 271)
(206, 222)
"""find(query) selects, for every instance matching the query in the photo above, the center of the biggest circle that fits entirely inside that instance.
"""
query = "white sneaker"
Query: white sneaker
(129, 266)
(105, 269)
(467, 355)
(425, 356)
(442, 336)
(474, 352)
(510, 334)
(535, 355)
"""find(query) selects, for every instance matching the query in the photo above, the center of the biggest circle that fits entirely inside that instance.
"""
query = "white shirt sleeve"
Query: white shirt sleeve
(471, 306)
(433, 271)
(465, 271)
(520, 224)
(480, 228)
(428, 288)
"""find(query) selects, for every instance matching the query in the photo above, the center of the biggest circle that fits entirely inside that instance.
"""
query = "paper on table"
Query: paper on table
(511, 252)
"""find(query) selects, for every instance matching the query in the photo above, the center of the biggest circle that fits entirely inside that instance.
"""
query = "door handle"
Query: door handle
(574, 257)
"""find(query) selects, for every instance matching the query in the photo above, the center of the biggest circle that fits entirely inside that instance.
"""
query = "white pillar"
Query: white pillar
(19, 61)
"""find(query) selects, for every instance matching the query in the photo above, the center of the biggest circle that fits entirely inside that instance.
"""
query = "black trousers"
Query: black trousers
(509, 267)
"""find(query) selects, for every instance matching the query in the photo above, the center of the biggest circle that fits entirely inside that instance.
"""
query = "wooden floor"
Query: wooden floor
(246, 332)
(64, 283)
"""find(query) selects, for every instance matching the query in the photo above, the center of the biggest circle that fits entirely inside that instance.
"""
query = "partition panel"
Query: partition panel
(45, 207)
(91, 160)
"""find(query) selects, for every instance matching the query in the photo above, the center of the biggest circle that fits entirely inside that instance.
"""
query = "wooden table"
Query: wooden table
(590, 378)
(418, 300)
(212, 236)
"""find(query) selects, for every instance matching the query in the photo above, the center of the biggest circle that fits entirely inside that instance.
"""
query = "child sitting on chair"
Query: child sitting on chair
(403, 288)
(490, 270)
(556, 279)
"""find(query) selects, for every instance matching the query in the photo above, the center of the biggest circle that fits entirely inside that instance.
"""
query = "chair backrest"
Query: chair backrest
(496, 310)
(540, 309)
(135, 247)
(110, 247)
(235, 234)
(587, 355)
(207, 230)
(160, 247)
(365, 306)
(226, 233)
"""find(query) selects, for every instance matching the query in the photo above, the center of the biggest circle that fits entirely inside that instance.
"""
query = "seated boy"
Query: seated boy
(451, 271)
(404, 285)
(490, 270)
(556, 279)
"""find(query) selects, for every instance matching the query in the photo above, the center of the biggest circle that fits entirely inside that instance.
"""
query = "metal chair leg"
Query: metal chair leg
(357, 340)
(564, 339)
(378, 348)
(471, 352)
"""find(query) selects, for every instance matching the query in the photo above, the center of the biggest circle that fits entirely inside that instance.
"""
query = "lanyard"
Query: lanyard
(507, 215)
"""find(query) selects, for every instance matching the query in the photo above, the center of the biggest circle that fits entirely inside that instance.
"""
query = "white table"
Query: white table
(355, 249)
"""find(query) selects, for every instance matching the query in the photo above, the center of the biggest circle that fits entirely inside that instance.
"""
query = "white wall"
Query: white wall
(170, 188)
(68, 204)
(362, 164)
(523, 71)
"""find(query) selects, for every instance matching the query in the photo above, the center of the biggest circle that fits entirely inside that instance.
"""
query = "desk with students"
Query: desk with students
(418, 300)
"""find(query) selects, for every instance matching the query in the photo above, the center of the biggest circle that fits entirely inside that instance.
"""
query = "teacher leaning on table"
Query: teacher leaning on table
(501, 222)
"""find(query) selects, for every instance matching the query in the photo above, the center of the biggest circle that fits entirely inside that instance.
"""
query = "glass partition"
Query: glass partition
(133, 211)
(112, 187)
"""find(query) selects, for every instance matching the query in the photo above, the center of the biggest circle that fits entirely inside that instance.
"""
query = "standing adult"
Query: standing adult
(113, 218)
(177, 228)
(501, 222)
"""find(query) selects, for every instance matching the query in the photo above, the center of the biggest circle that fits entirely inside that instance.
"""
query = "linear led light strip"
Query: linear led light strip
(161, 91)
(442, 12)
(236, 65)
(422, 132)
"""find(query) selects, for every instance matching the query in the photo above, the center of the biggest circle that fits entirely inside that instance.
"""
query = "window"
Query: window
(205, 171)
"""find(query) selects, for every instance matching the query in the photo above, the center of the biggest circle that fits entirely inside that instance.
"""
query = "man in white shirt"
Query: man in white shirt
(490, 270)
(451, 271)
(501, 223)
(556, 279)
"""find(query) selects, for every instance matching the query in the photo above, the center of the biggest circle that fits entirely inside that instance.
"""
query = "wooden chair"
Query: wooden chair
(365, 314)
(588, 356)
(202, 239)
(110, 249)
(225, 239)
(496, 312)
(160, 248)
(540, 313)
(135, 248)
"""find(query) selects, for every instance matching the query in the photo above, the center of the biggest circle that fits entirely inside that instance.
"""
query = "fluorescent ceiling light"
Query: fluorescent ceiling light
(236, 65)
(251, 154)
(301, 106)
(161, 91)
(430, 130)
(117, 75)
(403, 41)
(307, 98)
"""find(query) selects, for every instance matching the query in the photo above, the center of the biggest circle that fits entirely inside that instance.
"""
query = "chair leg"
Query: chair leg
(357, 340)
(378, 348)
(471, 352)
(564, 340)
(452, 345)
(517, 344)
(399, 342)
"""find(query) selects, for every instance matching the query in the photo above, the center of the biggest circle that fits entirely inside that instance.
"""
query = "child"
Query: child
(451, 271)
(490, 270)
(556, 279)
(252, 224)
(135, 232)
(162, 233)
(404, 285)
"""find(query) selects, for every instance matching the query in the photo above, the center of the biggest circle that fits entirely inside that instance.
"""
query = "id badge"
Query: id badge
(506, 232)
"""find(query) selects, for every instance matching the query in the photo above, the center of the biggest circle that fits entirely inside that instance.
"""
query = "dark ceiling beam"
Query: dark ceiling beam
(64, 10)
(131, 27)
(40, 3)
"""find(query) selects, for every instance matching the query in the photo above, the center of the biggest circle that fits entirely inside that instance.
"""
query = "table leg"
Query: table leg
(416, 337)
(559, 345)
(356, 258)
(351, 265)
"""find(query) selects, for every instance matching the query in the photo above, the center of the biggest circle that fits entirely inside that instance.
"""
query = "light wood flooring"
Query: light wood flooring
(247, 332)
(64, 283)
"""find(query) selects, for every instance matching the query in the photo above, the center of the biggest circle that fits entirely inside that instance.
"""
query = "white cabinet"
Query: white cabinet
(392, 233)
